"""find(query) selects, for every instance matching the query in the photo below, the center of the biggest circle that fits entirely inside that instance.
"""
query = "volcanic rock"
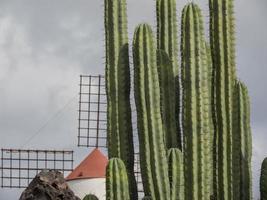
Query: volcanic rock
(48, 185)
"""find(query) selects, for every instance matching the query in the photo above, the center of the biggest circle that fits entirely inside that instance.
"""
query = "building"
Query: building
(89, 177)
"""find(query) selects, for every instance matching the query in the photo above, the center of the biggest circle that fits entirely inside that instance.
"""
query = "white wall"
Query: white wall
(82, 187)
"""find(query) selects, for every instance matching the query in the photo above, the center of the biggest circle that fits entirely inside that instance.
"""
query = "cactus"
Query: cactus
(147, 198)
(211, 114)
(263, 180)
(168, 99)
(246, 178)
(210, 69)
(90, 197)
(117, 187)
(119, 123)
(242, 147)
(147, 97)
(238, 130)
(223, 57)
(215, 114)
(196, 106)
(176, 174)
(167, 41)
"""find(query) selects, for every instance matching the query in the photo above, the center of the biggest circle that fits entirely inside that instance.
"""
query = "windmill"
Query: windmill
(20, 166)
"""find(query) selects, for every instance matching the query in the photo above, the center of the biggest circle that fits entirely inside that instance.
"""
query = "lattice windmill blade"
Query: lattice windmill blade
(92, 112)
(20, 166)
(92, 131)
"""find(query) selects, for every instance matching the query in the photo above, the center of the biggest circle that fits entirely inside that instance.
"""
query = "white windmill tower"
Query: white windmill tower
(89, 176)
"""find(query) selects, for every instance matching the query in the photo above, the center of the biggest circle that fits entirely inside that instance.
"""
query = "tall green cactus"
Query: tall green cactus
(211, 114)
(246, 178)
(238, 130)
(196, 106)
(90, 197)
(263, 180)
(176, 173)
(149, 122)
(147, 198)
(167, 41)
(168, 99)
(117, 187)
(223, 56)
(242, 147)
(119, 122)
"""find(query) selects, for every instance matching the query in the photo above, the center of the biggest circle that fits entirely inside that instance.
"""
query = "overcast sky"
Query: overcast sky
(46, 44)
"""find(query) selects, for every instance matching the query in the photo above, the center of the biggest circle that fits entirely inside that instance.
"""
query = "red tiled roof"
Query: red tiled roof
(93, 166)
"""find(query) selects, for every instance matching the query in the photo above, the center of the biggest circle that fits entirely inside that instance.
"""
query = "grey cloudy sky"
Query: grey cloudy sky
(46, 44)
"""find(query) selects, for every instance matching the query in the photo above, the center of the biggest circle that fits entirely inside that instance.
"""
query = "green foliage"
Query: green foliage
(90, 197)
(117, 187)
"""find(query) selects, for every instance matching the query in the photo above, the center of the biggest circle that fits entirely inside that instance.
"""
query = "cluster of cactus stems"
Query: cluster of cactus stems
(200, 151)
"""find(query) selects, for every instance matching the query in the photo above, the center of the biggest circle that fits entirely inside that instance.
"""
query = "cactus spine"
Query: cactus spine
(90, 197)
(176, 174)
(117, 187)
(147, 97)
(167, 40)
(242, 147)
(119, 123)
(223, 56)
(263, 180)
(196, 106)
